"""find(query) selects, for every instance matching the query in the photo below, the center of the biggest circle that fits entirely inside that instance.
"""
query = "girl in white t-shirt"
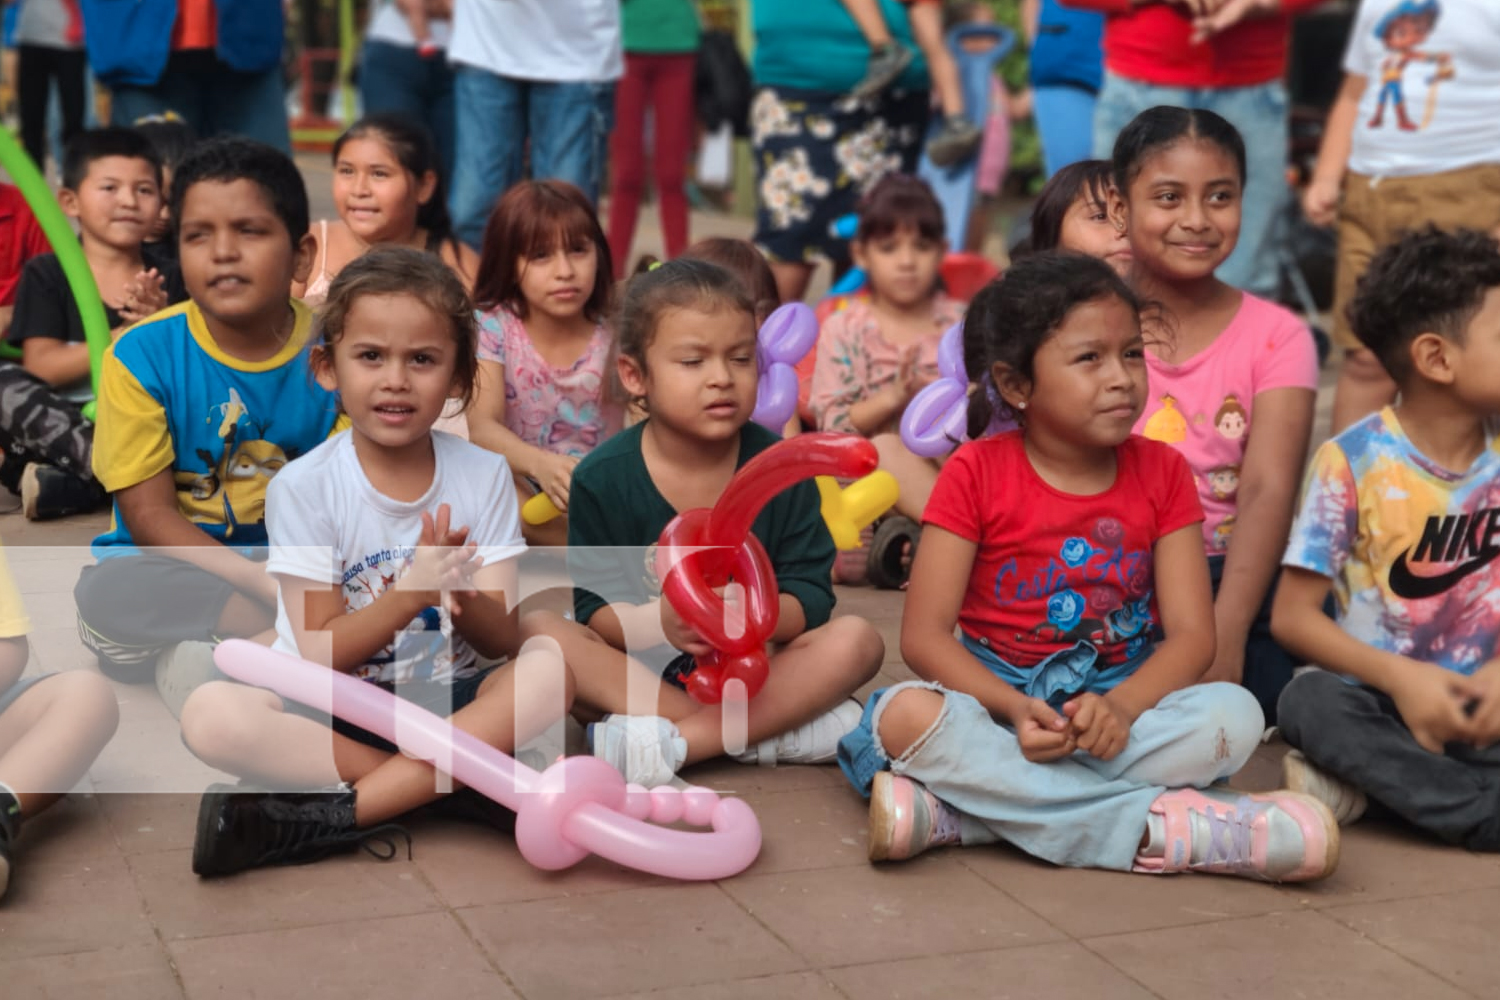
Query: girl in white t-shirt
(395, 548)
(1412, 139)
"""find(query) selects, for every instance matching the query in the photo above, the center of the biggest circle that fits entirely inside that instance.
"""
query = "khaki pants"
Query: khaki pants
(1375, 211)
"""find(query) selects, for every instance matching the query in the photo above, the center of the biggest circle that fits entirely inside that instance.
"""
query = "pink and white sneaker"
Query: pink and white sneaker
(906, 819)
(1274, 836)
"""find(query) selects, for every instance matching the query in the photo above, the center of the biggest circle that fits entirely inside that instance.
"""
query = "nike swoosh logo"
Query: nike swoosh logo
(1404, 583)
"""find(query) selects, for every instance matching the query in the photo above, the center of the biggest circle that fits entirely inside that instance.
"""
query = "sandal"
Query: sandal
(892, 550)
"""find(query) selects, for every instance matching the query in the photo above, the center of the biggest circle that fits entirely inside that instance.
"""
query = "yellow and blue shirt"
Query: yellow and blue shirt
(171, 398)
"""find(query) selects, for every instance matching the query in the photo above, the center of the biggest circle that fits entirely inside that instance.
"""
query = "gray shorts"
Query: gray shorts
(9, 696)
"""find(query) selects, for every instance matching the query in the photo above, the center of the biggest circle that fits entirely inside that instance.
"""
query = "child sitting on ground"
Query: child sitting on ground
(1399, 520)
(545, 398)
(395, 547)
(52, 726)
(1066, 715)
(198, 409)
(878, 352)
(687, 350)
(112, 185)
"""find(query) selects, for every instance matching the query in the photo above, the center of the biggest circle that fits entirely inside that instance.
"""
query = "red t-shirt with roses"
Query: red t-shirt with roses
(1053, 568)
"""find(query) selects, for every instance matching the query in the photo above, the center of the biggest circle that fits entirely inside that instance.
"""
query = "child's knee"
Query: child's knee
(220, 724)
(88, 699)
(856, 645)
(905, 717)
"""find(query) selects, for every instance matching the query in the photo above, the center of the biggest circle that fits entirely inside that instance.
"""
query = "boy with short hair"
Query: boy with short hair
(198, 408)
(1401, 517)
(111, 184)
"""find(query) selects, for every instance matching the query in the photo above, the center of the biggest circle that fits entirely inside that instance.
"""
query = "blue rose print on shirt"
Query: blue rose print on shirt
(1076, 551)
(1065, 608)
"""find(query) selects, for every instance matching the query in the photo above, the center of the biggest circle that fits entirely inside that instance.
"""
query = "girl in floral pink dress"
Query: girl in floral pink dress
(544, 398)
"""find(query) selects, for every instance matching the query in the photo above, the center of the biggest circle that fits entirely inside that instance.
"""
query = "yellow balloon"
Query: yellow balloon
(846, 511)
(539, 510)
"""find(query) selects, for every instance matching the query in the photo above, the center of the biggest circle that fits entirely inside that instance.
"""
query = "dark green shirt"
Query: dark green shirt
(613, 502)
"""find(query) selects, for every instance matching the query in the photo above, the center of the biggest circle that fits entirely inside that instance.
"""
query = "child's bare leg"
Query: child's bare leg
(516, 702)
(915, 475)
(809, 676)
(813, 673)
(51, 734)
(1363, 388)
(927, 29)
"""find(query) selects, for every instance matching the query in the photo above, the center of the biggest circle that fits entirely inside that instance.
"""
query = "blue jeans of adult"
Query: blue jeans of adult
(1260, 115)
(1079, 811)
(567, 123)
(213, 98)
(394, 79)
(1065, 120)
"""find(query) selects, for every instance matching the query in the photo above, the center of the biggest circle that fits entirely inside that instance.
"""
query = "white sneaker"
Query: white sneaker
(1298, 774)
(646, 749)
(816, 742)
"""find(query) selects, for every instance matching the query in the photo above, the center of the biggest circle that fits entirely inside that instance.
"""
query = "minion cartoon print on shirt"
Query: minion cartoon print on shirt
(230, 485)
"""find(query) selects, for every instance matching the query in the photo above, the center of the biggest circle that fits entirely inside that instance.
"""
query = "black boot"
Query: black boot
(239, 829)
(10, 829)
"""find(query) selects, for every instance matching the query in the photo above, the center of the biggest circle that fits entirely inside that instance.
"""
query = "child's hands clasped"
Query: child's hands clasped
(1484, 706)
(1432, 702)
(1099, 728)
(443, 566)
(146, 294)
(1044, 735)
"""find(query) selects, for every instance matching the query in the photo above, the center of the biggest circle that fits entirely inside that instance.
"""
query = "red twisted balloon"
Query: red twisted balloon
(701, 550)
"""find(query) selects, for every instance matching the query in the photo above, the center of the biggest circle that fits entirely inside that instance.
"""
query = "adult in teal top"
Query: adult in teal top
(816, 149)
(613, 502)
(660, 27)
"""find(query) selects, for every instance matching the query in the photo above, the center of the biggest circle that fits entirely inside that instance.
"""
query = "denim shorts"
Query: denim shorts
(438, 697)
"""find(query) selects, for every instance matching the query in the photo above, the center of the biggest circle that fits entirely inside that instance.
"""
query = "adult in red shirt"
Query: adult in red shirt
(21, 239)
(1226, 56)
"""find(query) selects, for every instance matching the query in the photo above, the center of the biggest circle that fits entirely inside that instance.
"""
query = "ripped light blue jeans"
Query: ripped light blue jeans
(1079, 811)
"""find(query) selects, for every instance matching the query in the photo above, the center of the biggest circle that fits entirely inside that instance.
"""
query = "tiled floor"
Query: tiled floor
(103, 903)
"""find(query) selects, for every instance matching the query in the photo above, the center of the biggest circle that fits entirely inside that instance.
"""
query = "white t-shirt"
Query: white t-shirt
(389, 26)
(1446, 83)
(328, 524)
(563, 41)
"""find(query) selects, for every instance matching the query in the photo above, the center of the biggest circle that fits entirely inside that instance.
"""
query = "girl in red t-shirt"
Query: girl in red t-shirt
(1059, 718)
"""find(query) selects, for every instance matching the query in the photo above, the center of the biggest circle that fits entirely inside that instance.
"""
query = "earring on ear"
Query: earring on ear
(1021, 405)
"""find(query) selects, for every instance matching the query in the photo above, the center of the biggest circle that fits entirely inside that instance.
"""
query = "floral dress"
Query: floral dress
(568, 411)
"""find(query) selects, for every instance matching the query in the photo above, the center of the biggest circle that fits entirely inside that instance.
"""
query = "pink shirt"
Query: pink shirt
(1204, 407)
(569, 410)
(855, 361)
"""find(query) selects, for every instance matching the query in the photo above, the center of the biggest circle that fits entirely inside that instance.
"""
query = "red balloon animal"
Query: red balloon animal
(702, 549)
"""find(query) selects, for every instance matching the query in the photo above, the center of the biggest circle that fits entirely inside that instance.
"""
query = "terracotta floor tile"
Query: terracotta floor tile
(468, 865)
(1381, 860)
(1450, 935)
(139, 972)
(343, 888)
(1277, 955)
(1044, 971)
(641, 939)
(795, 986)
(928, 906)
(1085, 902)
(72, 829)
(815, 829)
(412, 956)
(76, 905)
(726, 776)
(143, 821)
